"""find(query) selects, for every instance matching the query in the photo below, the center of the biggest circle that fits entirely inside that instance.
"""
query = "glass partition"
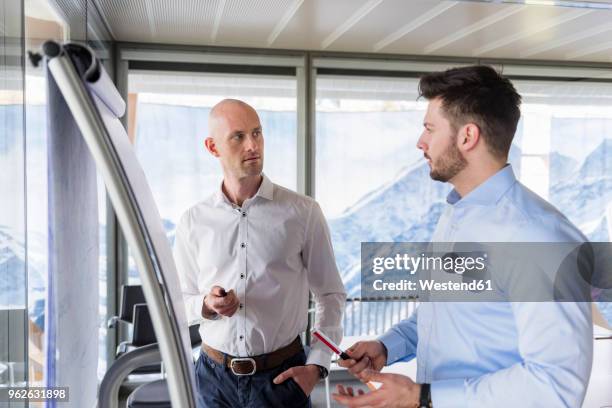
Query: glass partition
(13, 246)
(44, 20)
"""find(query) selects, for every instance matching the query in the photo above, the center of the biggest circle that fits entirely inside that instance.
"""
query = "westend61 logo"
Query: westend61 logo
(451, 263)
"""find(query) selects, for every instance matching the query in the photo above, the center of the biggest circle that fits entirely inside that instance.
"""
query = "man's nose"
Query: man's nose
(421, 143)
(251, 143)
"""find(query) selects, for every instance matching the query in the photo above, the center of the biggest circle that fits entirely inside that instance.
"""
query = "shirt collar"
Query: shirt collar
(487, 193)
(266, 190)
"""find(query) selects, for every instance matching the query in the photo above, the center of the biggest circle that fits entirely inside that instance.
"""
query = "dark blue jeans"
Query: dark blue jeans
(218, 387)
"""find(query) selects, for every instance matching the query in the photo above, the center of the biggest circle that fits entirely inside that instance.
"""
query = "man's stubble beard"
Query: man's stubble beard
(449, 164)
(253, 170)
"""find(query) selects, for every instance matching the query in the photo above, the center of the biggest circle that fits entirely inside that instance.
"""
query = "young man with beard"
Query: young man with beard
(481, 354)
(247, 257)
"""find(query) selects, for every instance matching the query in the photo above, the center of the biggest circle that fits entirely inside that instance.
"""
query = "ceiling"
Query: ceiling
(546, 30)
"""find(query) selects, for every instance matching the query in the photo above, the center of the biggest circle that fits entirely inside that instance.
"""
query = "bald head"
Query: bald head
(235, 138)
(228, 110)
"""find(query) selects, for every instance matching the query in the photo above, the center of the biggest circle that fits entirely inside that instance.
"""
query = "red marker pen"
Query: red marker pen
(333, 347)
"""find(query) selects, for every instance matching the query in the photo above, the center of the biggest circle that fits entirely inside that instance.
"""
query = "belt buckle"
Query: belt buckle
(239, 359)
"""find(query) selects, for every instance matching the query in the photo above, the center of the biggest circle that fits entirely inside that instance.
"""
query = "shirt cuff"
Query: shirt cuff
(319, 357)
(448, 393)
(395, 345)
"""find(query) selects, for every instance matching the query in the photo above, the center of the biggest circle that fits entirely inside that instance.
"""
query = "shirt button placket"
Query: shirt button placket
(242, 312)
(242, 233)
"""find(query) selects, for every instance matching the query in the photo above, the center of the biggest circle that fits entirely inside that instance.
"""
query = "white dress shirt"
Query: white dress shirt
(271, 251)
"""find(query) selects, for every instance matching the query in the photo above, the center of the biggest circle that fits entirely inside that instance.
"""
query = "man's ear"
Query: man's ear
(469, 136)
(210, 145)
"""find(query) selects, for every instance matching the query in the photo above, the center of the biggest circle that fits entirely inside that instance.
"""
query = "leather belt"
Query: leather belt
(252, 365)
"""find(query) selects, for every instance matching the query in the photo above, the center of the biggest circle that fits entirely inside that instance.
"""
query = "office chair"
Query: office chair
(134, 313)
(140, 355)
(150, 395)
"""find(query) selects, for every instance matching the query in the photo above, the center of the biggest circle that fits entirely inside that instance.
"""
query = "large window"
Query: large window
(366, 135)
(567, 154)
(371, 180)
(169, 116)
(567, 150)
(369, 172)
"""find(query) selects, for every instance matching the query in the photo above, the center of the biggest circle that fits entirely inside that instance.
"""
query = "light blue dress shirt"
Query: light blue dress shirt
(499, 354)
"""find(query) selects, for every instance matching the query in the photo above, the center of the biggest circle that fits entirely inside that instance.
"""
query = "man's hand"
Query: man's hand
(365, 354)
(218, 301)
(396, 391)
(305, 376)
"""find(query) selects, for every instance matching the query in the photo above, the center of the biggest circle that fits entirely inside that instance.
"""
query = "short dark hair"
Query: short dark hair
(480, 95)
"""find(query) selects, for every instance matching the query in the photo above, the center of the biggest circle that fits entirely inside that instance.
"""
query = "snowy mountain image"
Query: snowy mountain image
(13, 273)
(386, 215)
(584, 195)
(12, 260)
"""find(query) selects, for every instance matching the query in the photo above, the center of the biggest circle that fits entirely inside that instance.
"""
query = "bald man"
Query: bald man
(247, 258)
